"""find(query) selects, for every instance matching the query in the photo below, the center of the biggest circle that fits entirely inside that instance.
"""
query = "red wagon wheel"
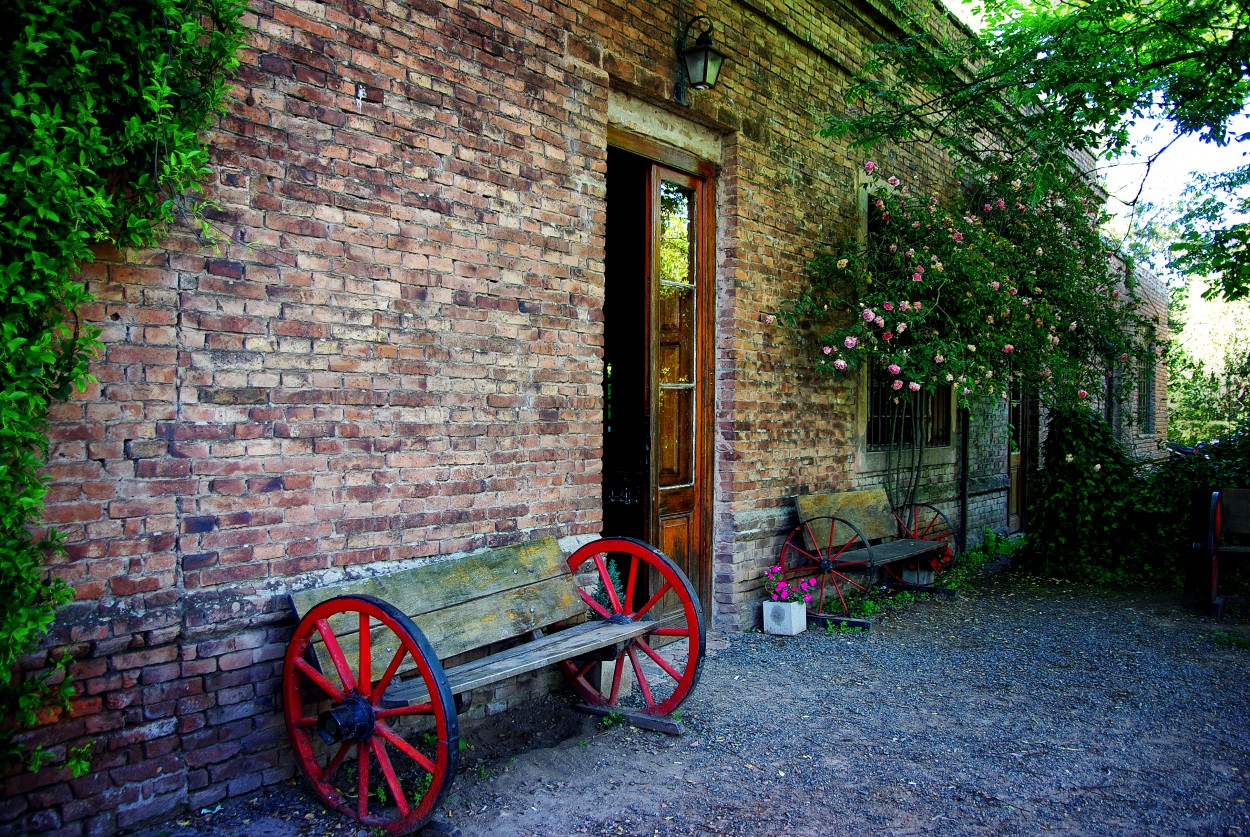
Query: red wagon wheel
(664, 663)
(921, 521)
(383, 765)
(838, 556)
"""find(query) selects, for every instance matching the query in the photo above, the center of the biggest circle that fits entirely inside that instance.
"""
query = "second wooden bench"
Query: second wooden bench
(853, 541)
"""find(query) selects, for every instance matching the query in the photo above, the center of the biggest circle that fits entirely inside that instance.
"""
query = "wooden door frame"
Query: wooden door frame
(705, 363)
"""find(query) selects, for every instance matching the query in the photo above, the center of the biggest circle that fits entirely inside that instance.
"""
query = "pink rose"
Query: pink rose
(1013, 291)
(880, 322)
(959, 236)
(827, 350)
(1008, 349)
(870, 166)
(987, 207)
(939, 359)
(902, 327)
(995, 285)
(889, 306)
(917, 306)
(914, 387)
(869, 316)
(897, 384)
(893, 181)
(894, 368)
(839, 364)
(889, 335)
(1000, 204)
(850, 342)
(1082, 394)
(915, 277)
(893, 248)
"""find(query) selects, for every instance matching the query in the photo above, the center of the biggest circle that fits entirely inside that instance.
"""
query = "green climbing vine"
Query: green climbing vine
(101, 107)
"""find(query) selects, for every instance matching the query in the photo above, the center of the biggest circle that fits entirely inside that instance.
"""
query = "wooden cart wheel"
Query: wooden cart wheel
(921, 521)
(385, 766)
(663, 664)
(838, 556)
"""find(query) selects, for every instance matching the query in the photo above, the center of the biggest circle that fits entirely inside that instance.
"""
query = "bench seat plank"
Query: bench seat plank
(530, 656)
(885, 553)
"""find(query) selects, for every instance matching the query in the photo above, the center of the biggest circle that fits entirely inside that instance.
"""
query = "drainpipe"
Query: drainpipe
(964, 416)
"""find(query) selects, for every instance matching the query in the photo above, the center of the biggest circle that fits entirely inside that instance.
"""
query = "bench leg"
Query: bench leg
(384, 766)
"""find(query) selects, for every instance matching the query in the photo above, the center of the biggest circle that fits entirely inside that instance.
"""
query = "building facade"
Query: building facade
(486, 272)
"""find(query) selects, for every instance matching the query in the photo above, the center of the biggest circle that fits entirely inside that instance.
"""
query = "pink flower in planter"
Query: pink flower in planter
(894, 368)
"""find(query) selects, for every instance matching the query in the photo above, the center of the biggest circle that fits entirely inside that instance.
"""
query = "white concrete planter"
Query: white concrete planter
(785, 618)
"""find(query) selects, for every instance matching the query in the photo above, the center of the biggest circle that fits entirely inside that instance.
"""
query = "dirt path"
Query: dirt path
(1021, 708)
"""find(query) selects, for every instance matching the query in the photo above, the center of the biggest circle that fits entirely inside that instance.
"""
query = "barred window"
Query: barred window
(885, 417)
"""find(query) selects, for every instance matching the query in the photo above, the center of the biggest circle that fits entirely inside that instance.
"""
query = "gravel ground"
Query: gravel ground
(1022, 707)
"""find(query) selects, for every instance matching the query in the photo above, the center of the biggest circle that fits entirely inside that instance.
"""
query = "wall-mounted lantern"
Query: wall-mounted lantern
(701, 61)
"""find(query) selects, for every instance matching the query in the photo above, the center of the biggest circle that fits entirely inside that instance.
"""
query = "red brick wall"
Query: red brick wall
(395, 351)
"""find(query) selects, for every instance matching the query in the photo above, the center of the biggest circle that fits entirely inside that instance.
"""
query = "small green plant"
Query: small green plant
(841, 628)
(79, 760)
(421, 786)
(485, 773)
(613, 718)
(601, 593)
(1230, 640)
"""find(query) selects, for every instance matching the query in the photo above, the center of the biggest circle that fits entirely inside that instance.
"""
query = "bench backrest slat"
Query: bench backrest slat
(868, 510)
(466, 603)
(1235, 514)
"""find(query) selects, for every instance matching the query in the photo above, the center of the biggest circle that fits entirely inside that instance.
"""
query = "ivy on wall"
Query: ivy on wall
(101, 107)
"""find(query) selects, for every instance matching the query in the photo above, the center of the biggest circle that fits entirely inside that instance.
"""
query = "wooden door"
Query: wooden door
(657, 354)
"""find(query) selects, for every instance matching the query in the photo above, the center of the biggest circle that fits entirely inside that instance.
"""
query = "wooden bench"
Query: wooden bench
(373, 672)
(853, 541)
(1222, 533)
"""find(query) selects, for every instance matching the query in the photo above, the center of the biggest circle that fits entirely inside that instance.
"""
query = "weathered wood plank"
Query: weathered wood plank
(531, 656)
(868, 510)
(436, 585)
(655, 723)
(472, 624)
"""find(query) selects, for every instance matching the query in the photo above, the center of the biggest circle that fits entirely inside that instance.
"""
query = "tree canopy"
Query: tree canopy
(1053, 78)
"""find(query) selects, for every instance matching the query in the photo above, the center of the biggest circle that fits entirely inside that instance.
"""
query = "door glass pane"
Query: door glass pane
(675, 465)
(676, 320)
(676, 225)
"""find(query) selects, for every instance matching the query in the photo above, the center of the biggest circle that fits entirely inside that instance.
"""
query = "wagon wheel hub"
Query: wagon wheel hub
(351, 720)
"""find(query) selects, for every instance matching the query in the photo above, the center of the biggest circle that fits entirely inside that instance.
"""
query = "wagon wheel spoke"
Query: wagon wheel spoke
(315, 676)
(365, 661)
(605, 578)
(333, 765)
(362, 782)
(388, 773)
(375, 696)
(659, 661)
(405, 748)
(645, 609)
(642, 680)
(336, 655)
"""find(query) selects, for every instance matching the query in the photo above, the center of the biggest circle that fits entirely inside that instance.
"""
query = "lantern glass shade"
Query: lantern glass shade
(703, 62)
